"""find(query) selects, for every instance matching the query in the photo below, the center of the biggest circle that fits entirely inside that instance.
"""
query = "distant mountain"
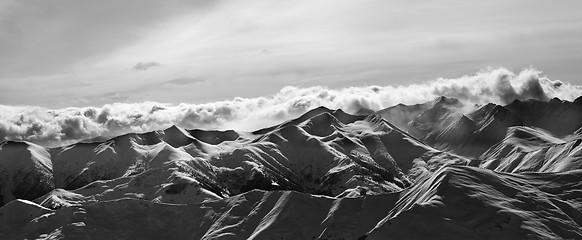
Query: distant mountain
(556, 116)
(449, 125)
(412, 117)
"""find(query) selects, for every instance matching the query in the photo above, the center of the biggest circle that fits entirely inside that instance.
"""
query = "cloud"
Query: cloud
(184, 81)
(54, 127)
(500, 86)
(142, 66)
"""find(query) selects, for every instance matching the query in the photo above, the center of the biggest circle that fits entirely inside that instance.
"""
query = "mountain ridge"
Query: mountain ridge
(324, 175)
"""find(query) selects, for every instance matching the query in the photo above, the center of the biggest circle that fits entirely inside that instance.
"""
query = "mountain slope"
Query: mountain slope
(447, 125)
(409, 117)
(324, 151)
(454, 203)
(533, 150)
(253, 215)
(25, 171)
(560, 118)
(472, 203)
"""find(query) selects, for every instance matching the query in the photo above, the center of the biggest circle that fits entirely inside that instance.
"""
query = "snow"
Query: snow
(468, 202)
(533, 150)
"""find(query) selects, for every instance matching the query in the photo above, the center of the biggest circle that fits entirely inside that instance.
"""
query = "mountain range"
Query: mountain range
(442, 169)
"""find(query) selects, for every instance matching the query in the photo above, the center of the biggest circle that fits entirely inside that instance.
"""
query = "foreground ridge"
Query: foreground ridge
(456, 202)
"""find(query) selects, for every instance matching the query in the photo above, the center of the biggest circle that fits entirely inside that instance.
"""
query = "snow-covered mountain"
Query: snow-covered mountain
(474, 203)
(527, 149)
(449, 125)
(405, 172)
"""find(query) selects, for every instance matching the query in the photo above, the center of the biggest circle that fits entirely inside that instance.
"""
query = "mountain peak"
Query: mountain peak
(214, 137)
(365, 111)
(556, 101)
(13, 143)
(173, 128)
(442, 100)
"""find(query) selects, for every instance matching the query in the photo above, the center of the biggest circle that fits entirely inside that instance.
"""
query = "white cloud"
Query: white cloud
(52, 127)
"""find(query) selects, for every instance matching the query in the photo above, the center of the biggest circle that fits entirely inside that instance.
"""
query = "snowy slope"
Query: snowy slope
(455, 203)
(473, 203)
(468, 134)
(253, 215)
(527, 149)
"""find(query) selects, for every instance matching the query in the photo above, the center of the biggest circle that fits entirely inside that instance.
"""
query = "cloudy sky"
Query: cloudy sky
(88, 53)
(72, 69)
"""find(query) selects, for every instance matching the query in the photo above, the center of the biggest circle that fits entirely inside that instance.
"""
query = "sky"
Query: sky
(73, 69)
(67, 53)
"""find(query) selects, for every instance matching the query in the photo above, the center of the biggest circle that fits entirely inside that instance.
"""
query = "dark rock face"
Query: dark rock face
(25, 171)
(214, 137)
(559, 117)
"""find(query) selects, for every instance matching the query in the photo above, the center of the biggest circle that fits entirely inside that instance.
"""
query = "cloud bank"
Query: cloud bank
(62, 126)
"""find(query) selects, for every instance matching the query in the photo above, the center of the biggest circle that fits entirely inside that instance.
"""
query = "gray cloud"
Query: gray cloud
(142, 66)
(53, 127)
(184, 81)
